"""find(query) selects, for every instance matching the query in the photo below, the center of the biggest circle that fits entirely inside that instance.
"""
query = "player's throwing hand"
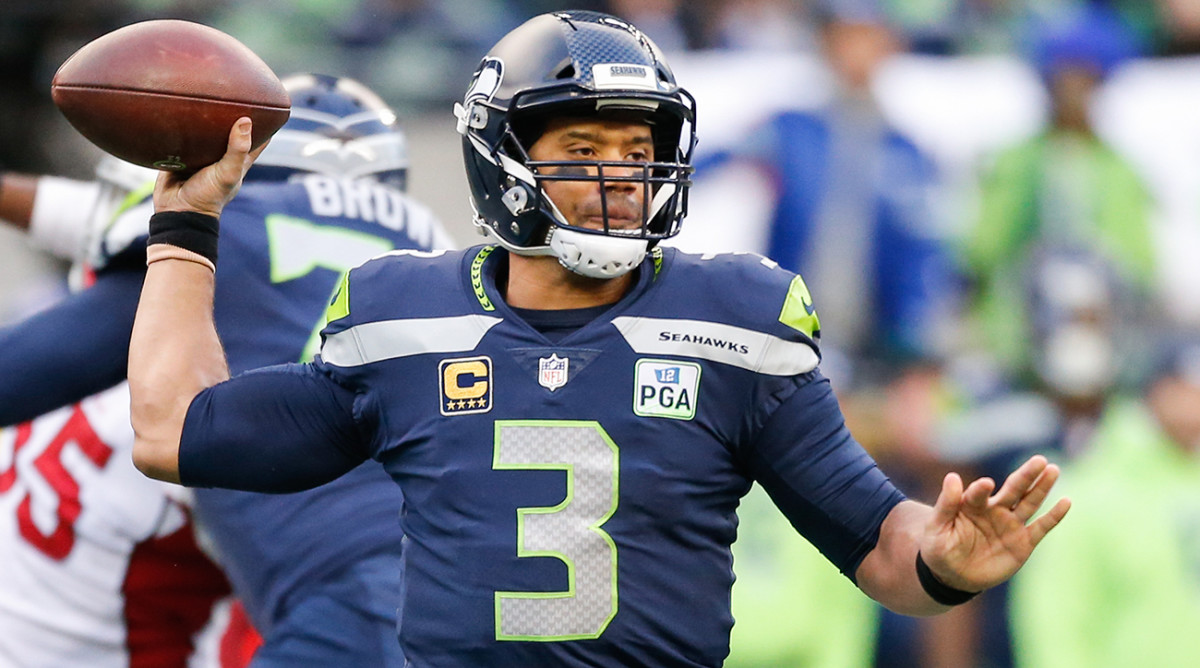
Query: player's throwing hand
(208, 190)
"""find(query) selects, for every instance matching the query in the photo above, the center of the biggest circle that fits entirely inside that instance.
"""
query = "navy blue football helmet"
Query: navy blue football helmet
(337, 127)
(574, 64)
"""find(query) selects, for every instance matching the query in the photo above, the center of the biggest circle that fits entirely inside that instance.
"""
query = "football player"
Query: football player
(318, 571)
(572, 412)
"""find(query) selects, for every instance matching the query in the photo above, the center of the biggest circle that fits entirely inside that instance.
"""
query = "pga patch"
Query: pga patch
(665, 388)
(466, 385)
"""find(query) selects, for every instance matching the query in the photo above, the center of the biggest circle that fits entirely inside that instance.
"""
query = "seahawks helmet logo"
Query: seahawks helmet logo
(487, 81)
(483, 88)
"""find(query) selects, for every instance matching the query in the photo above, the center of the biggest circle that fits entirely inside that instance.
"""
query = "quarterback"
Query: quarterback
(572, 413)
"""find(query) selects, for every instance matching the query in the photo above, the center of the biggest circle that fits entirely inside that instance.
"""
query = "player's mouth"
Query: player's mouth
(621, 216)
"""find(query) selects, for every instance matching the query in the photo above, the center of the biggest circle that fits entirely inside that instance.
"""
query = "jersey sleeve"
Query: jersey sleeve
(62, 213)
(124, 232)
(827, 485)
(74, 349)
(278, 429)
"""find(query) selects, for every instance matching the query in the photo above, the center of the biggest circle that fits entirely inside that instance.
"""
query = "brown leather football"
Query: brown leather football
(165, 93)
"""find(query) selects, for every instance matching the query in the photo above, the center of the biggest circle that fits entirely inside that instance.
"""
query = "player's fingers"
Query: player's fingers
(249, 159)
(161, 183)
(1042, 525)
(228, 172)
(239, 136)
(1029, 504)
(1020, 482)
(945, 509)
(208, 190)
(978, 492)
(238, 153)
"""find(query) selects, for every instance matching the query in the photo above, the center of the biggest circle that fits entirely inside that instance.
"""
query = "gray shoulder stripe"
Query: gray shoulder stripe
(756, 351)
(388, 339)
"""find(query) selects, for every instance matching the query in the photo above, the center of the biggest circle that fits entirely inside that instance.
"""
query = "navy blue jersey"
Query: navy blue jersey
(570, 502)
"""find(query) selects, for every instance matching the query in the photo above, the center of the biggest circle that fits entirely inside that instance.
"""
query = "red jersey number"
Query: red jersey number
(59, 542)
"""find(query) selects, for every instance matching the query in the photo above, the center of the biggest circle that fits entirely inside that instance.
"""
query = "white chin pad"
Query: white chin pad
(595, 255)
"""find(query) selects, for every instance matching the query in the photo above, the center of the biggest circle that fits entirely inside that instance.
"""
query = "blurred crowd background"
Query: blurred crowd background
(995, 203)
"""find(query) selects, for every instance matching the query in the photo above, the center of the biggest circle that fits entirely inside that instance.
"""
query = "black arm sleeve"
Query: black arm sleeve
(278, 429)
(826, 484)
(74, 349)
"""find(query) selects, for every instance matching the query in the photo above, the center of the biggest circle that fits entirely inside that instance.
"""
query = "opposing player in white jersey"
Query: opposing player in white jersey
(97, 567)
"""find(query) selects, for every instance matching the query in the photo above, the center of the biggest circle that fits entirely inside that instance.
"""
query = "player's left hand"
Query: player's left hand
(977, 539)
(208, 190)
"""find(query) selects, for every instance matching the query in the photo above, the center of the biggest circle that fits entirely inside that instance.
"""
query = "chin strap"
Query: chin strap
(597, 256)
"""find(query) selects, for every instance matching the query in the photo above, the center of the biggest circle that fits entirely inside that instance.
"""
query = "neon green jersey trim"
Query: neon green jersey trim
(340, 306)
(477, 278)
(798, 310)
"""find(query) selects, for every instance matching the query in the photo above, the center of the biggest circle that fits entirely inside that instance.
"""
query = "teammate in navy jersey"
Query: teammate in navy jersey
(572, 414)
(318, 571)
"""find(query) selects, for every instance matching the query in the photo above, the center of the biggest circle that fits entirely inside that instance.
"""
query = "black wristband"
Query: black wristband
(188, 230)
(938, 590)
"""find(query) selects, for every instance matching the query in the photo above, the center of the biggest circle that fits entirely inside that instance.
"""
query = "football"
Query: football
(165, 93)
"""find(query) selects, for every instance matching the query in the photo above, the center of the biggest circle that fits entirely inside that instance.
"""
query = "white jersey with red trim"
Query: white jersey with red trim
(99, 565)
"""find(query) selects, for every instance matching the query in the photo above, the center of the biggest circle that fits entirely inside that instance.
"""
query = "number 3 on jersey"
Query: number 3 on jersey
(570, 531)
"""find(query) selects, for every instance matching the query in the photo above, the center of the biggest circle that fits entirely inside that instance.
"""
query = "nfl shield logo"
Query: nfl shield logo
(552, 371)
